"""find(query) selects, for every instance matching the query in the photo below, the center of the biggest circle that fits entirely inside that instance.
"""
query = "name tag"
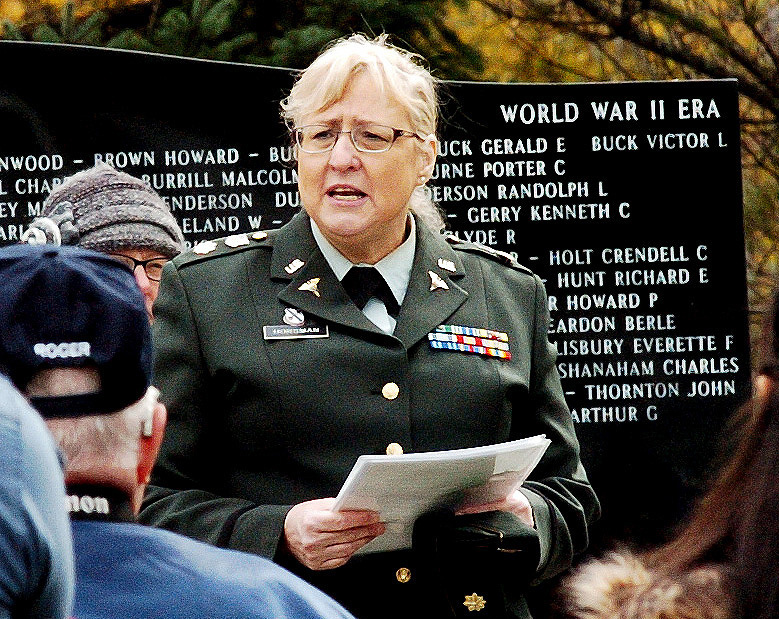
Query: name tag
(286, 332)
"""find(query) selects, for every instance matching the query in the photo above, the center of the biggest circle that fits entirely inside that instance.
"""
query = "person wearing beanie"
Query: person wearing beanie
(76, 341)
(109, 211)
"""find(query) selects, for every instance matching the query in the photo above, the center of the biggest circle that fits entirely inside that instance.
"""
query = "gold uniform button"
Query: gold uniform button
(394, 449)
(403, 574)
(390, 391)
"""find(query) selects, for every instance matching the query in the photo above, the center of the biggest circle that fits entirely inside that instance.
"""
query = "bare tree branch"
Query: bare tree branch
(665, 39)
(663, 29)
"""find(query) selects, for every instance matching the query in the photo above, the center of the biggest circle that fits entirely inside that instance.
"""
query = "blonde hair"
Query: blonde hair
(397, 73)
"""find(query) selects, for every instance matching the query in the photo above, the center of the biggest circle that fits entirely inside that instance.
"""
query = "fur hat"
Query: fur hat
(621, 586)
(105, 210)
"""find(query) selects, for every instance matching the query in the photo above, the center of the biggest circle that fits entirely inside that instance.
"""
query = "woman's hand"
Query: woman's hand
(516, 503)
(322, 539)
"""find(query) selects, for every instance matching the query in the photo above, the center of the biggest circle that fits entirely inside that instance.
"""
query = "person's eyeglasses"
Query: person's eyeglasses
(152, 267)
(366, 138)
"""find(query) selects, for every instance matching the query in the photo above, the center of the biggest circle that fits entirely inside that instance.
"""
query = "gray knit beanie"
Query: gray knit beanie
(112, 210)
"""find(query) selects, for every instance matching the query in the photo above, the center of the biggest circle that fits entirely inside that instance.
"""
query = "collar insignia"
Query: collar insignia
(293, 266)
(447, 265)
(436, 282)
(311, 286)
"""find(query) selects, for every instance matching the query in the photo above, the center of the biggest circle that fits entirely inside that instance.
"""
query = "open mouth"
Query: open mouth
(346, 193)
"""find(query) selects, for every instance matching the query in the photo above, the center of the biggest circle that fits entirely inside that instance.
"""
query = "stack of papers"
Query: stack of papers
(401, 488)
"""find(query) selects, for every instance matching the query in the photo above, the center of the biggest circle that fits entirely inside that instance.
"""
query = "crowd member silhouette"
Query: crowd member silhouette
(113, 212)
(77, 342)
(36, 555)
(723, 563)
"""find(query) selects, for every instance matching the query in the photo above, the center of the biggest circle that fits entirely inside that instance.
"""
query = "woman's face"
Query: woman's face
(150, 287)
(359, 200)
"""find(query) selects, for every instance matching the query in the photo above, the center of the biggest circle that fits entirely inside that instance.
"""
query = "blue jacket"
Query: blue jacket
(131, 571)
(36, 558)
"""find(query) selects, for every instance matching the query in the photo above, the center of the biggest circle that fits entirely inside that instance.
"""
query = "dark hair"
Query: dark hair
(736, 523)
(756, 538)
(723, 562)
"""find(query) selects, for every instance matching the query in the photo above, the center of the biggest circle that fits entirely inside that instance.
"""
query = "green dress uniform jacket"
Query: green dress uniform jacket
(257, 425)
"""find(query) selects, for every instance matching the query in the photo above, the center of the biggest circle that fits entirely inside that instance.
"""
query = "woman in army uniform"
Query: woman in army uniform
(281, 359)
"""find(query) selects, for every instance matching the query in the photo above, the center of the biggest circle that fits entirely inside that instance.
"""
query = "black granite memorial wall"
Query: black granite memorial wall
(624, 197)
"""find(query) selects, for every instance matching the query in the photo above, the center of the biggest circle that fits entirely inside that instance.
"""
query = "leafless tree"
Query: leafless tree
(676, 39)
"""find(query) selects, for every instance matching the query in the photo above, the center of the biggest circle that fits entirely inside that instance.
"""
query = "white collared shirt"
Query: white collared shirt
(395, 268)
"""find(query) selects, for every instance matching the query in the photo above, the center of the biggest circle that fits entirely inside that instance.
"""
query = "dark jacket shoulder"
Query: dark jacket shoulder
(484, 250)
(225, 246)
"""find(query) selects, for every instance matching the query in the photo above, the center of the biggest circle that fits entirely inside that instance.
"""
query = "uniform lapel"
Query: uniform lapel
(313, 287)
(424, 309)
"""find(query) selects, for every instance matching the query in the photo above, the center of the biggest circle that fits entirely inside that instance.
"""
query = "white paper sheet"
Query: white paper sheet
(403, 487)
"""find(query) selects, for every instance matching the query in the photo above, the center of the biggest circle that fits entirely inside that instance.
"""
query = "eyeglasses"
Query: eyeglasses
(366, 138)
(152, 267)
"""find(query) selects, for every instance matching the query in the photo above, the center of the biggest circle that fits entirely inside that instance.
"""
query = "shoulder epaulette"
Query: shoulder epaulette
(485, 250)
(233, 244)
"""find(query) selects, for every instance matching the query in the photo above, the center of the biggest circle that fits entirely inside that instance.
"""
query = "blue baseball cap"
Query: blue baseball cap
(73, 307)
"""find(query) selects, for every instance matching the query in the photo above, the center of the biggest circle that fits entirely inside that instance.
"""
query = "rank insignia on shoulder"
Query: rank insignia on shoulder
(471, 340)
(236, 240)
(204, 247)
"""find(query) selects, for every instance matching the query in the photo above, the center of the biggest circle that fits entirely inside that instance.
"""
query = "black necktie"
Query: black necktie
(363, 283)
